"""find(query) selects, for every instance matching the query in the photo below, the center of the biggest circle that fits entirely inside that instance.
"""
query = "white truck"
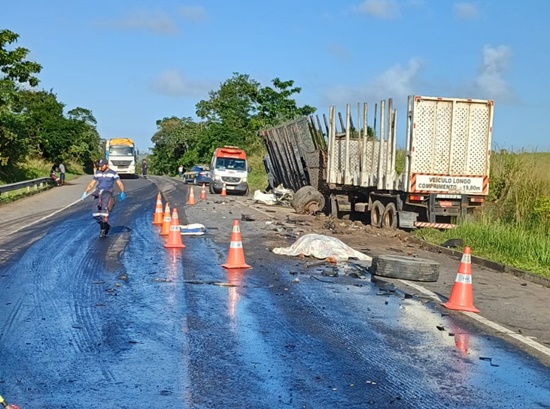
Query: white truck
(443, 174)
(122, 155)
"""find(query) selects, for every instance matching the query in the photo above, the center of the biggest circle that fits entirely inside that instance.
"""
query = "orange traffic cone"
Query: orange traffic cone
(157, 219)
(462, 296)
(224, 190)
(203, 192)
(166, 221)
(174, 236)
(191, 200)
(235, 258)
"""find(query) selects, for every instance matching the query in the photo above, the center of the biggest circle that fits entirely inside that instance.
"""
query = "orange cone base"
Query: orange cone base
(230, 265)
(174, 246)
(453, 306)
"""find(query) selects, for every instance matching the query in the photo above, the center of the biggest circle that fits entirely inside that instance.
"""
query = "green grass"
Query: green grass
(32, 169)
(524, 248)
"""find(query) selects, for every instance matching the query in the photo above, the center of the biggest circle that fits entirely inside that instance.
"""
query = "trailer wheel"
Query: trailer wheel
(406, 268)
(389, 218)
(308, 200)
(334, 212)
(376, 213)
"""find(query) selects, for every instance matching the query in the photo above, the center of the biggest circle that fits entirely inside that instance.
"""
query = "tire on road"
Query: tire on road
(406, 268)
(308, 200)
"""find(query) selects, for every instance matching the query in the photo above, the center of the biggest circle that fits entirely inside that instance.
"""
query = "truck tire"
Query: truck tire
(405, 268)
(389, 218)
(334, 207)
(308, 200)
(376, 213)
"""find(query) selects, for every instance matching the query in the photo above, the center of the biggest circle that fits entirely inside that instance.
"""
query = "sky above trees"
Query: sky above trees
(133, 63)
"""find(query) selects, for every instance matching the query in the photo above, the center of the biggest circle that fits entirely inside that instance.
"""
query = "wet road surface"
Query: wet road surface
(123, 322)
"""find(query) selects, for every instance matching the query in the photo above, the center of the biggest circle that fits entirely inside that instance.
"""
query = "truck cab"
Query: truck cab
(229, 167)
(122, 155)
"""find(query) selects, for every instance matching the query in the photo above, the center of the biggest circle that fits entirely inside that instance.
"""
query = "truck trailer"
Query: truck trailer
(439, 175)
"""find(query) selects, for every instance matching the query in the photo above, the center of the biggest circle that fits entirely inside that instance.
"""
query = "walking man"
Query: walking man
(180, 171)
(102, 188)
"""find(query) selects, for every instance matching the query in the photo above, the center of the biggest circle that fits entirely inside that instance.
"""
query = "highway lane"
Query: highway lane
(123, 322)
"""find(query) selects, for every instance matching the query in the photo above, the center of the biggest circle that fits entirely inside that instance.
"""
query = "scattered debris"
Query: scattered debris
(280, 196)
(485, 358)
(453, 243)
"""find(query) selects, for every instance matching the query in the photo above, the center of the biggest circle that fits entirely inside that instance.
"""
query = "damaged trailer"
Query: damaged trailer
(443, 173)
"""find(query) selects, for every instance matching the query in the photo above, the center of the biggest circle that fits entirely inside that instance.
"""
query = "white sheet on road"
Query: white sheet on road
(320, 246)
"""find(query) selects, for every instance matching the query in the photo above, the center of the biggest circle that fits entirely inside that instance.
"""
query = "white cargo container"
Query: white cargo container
(445, 173)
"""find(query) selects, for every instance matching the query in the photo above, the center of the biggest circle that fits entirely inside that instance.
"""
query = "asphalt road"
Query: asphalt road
(123, 322)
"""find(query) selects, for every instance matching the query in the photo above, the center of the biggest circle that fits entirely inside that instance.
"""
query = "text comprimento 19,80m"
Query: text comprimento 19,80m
(460, 184)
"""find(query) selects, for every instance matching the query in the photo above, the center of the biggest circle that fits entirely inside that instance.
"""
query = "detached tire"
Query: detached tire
(308, 200)
(405, 268)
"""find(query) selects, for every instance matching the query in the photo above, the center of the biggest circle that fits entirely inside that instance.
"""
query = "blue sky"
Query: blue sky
(134, 62)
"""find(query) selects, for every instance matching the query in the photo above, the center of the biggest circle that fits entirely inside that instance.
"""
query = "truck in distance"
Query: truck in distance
(122, 155)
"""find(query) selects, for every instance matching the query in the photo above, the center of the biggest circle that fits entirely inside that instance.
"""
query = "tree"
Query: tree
(173, 141)
(275, 105)
(16, 71)
(232, 115)
(241, 108)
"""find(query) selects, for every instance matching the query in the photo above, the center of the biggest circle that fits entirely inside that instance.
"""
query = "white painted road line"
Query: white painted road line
(43, 218)
(497, 327)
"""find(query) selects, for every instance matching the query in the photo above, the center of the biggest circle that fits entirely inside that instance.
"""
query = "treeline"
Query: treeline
(34, 123)
(232, 115)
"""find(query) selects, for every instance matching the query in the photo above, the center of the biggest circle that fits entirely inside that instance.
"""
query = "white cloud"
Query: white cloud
(193, 13)
(397, 82)
(384, 9)
(158, 22)
(172, 83)
(490, 79)
(466, 11)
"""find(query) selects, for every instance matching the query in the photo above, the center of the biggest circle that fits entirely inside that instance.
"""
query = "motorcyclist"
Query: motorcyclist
(102, 188)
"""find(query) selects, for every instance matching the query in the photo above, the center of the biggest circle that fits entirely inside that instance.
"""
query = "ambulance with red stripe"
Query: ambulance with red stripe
(229, 167)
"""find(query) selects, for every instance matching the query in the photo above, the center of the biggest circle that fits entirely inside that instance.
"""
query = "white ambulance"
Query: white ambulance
(229, 167)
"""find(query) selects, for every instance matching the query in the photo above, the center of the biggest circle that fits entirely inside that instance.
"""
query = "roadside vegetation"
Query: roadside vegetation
(513, 227)
(34, 125)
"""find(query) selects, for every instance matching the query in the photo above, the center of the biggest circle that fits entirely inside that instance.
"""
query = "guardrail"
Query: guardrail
(37, 184)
